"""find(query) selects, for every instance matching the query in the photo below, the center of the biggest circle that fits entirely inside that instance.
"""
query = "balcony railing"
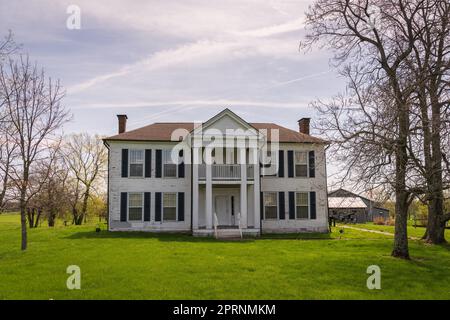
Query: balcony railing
(225, 172)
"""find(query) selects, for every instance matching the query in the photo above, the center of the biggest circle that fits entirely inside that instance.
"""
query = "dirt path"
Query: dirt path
(374, 231)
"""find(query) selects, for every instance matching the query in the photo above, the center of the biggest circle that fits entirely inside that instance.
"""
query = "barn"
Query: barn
(346, 206)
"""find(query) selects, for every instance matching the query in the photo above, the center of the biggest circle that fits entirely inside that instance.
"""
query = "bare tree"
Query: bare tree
(86, 158)
(430, 65)
(53, 196)
(375, 43)
(7, 148)
(8, 153)
(7, 46)
(33, 107)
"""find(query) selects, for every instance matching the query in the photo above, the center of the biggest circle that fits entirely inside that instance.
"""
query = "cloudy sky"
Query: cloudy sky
(174, 60)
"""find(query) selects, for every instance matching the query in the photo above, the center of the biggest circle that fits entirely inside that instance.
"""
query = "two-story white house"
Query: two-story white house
(224, 173)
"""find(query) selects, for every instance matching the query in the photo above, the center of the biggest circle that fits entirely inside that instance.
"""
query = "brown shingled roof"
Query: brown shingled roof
(162, 131)
(287, 135)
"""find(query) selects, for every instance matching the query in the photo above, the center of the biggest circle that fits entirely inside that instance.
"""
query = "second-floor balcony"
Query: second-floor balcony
(225, 172)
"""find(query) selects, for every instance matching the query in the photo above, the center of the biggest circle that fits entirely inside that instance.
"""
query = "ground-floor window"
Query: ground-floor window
(270, 205)
(169, 206)
(135, 206)
(302, 207)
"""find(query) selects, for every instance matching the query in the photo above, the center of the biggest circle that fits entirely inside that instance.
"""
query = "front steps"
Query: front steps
(228, 233)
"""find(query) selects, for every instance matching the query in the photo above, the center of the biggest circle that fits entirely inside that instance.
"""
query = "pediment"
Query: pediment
(227, 120)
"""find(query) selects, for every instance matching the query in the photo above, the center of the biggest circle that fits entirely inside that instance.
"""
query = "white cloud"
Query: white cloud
(289, 26)
(236, 45)
(198, 103)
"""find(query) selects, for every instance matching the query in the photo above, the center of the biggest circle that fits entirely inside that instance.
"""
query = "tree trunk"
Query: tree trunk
(85, 204)
(400, 249)
(23, 219)
(51, 219)
(77, 217)
(30, 217)
(401, 234)
(36, 223)
(436, 226)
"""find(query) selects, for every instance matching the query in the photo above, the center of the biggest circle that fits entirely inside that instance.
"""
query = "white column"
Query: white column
(256, 190)
(243, 200)
(208, 200)
(195, 193)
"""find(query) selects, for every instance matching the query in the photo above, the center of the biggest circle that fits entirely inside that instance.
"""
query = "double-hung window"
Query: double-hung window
(270, 205)
(301, 164)
(169, 206)
(170, 168)
(136, 163)
(135, 206)
(302, 207)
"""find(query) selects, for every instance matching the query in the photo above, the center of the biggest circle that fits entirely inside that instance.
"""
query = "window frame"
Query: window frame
(176, 207)
(295, 163)
(128, 206)
(163, 163)
(308, 206)
(277, 205)
(130, 163)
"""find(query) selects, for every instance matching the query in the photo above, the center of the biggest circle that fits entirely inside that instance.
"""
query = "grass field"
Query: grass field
(147, 266)
(417, 232)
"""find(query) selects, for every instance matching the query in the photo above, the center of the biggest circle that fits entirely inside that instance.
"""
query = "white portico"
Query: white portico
(225, 175)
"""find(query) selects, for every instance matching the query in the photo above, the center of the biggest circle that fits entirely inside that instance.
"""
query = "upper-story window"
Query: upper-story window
(169, 168)
(302, 207)
(136, 163)
(301, 164)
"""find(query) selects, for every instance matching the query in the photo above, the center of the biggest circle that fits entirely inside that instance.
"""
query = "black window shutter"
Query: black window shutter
(147, 206)
(291, 205)
(148, 163)
(281, 206)
(312, 204)
(290, 163)
(281, 163)
(158, 206)
(261, 205)
(180, 206)
(312, 167)
(181, 166)
(124, 163)
(158, 159)
(123, 206)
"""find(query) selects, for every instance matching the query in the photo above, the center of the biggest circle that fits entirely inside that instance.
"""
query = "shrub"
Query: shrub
(378, 221)
(390, 222)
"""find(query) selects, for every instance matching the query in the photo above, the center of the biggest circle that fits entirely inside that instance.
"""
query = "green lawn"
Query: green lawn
(417, 232)
(146, 266)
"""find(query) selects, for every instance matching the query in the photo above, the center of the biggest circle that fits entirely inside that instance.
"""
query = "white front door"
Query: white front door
(223, 209)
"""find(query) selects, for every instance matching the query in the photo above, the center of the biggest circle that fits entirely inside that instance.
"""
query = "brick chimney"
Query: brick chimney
(303, 125)
(122, 122)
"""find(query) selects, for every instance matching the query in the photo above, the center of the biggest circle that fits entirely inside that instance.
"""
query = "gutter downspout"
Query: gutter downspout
(105, 143)
(326, 187)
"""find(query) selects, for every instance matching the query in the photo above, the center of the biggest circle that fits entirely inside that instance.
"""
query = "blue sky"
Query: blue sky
(174, 60)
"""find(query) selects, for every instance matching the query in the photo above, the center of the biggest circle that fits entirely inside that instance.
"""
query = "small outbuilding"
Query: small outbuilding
(347, 206)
